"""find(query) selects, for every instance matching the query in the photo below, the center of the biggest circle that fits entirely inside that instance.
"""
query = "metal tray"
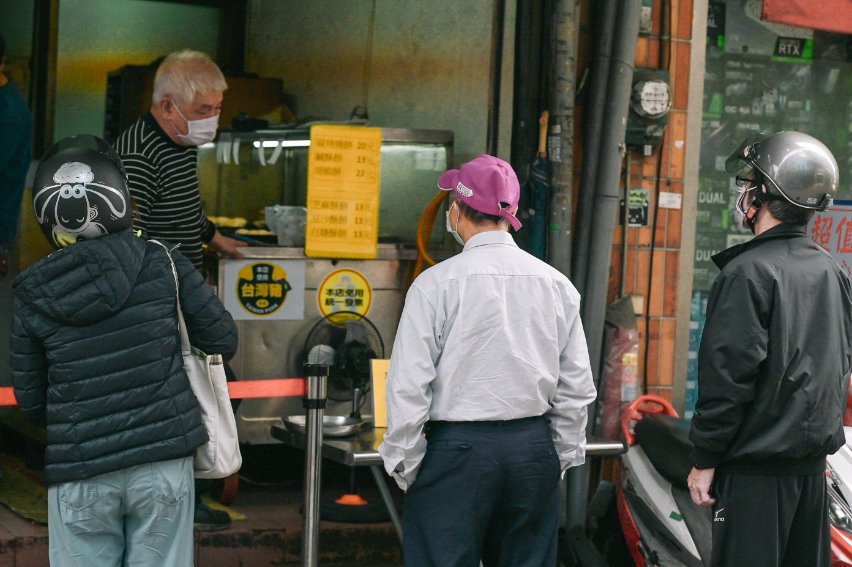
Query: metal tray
(332, 425)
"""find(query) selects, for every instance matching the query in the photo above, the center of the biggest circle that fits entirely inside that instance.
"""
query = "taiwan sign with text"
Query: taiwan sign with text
(261, 289)
(343, 192)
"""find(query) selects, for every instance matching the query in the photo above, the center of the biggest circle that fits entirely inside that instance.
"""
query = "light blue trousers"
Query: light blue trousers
(140, 517)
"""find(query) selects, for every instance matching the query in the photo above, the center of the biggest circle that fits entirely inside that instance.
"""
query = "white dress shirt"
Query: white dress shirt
(492, 333)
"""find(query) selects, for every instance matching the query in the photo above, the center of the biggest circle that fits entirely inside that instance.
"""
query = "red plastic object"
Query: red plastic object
(630, 530)
(351, 500)
(847, 415)
(841, 548)
(640, 406)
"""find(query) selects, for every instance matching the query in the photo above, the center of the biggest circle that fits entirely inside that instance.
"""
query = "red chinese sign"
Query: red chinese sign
(829, 15)
(832, 230)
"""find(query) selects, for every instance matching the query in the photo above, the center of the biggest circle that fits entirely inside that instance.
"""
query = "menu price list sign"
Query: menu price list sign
(344, 164)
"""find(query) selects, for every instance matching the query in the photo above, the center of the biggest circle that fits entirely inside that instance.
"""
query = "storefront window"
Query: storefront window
(760, 77)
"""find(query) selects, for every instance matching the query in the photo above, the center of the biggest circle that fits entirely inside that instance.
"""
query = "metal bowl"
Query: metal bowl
(332, 425)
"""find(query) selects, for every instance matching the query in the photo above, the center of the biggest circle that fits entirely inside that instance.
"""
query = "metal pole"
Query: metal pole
(388, 499)
(625, 221)
(495, 79)
(612, 150)
(43, 83)
(605, 214)
(561, 137)
(314, 403)
(605, 12)
(525, 102)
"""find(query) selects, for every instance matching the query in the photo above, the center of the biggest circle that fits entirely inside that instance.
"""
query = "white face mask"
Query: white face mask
(739, 213)
(741, 210)
(450, 229)
(200, 131)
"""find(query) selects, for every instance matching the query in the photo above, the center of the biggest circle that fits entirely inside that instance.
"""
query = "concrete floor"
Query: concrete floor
(270, 499)
(270, 535)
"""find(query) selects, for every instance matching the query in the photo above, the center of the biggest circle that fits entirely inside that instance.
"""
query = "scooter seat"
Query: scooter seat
(665, 440)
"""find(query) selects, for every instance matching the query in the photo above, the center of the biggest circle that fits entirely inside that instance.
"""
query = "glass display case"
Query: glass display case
(243, 172)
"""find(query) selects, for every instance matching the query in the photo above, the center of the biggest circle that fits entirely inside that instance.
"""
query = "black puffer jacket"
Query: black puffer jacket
(775, 358)
(96, 354)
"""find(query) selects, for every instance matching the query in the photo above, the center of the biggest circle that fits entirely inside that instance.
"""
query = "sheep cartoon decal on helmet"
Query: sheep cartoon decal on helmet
(74, 203)
(81, 193)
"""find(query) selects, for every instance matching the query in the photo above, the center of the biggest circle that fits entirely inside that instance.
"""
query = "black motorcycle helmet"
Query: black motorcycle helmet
(80, 191)
(793, 166)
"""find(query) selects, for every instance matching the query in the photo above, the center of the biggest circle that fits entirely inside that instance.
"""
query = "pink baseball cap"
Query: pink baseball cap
(486, 184)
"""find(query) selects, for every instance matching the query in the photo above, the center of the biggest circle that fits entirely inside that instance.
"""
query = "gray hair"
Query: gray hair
(477, 217)
(184, 74)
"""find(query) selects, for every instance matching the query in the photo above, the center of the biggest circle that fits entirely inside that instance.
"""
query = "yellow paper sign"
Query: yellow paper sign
(343, 192)
(379, 373)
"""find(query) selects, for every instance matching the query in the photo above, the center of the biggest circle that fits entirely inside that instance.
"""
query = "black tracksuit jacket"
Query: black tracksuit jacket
(775, 358)
(96, 354)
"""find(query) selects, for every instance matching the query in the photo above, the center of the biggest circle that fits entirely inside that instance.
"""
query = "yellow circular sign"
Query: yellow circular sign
(262, 288)
(344, 290)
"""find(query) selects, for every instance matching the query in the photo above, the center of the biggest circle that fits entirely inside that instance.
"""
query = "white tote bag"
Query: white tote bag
(220, 456)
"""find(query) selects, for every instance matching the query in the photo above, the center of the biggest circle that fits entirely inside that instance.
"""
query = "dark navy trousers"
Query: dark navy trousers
(486, 491)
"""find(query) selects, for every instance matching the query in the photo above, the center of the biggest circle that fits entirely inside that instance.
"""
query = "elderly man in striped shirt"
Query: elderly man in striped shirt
(160, 155)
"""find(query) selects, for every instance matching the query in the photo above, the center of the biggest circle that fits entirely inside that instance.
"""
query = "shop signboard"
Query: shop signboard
(343, 192)
(264, 289)
(832, 230)
(345, 290)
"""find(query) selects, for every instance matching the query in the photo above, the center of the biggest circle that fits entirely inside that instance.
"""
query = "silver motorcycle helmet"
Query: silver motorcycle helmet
(80, 191)
(796, 166)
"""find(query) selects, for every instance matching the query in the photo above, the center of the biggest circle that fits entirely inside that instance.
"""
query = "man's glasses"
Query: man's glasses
(743, 181)
(747, 185)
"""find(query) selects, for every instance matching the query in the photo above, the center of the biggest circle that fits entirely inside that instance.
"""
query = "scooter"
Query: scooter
(661, 525)
(838, 474)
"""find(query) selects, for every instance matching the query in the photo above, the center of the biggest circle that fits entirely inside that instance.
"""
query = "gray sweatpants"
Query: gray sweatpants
(140, 516)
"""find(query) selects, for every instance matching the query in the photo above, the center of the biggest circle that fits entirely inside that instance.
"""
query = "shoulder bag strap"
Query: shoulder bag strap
(184, 336)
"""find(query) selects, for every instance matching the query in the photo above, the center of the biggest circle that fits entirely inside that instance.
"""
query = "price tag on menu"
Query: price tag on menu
(343, 192)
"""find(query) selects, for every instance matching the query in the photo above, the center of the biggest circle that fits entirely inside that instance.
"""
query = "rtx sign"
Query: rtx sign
(789, 47)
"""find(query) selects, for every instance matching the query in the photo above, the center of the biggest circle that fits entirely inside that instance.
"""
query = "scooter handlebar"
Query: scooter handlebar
(639, 407)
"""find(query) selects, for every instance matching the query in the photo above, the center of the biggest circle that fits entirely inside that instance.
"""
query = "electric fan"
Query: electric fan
(345, 342)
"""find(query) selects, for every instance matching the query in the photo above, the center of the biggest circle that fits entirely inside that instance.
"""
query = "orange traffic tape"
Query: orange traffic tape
(273, 388)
